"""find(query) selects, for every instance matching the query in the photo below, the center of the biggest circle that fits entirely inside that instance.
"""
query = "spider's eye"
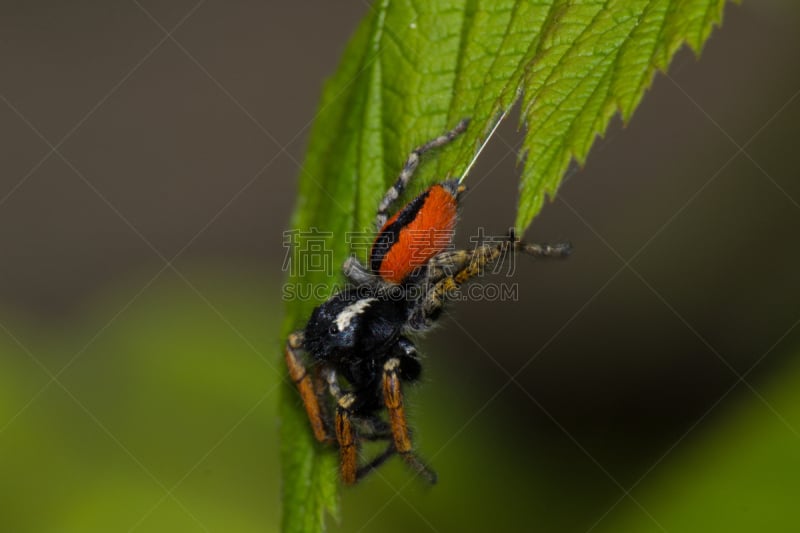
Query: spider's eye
(333, 330)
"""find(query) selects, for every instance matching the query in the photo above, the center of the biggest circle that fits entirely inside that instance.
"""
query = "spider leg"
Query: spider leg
(376, 428)
(309, 390)
(349, 431)
(347, 437)
(408, 170)
(446, 273)
(321, 391)
(376, 462)
(449, 270)
(358, 274)
(393, 397)
(346, 433)
(557, 251)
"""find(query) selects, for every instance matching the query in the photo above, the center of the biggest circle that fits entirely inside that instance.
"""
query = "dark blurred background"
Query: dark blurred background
(647, 383)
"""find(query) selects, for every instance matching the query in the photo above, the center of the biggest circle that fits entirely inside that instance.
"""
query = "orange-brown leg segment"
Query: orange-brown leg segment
(348, 440)
(393, 397)
(305, 385)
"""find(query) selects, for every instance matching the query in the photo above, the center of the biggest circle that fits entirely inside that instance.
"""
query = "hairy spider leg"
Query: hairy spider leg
(349, 431)
(346, 435)
(359, 275)
(393, 397)
(349, 445)
(557, 251)
(449, 270)
(308, 388)
(348, 440)
(376, 462)
(409, 167)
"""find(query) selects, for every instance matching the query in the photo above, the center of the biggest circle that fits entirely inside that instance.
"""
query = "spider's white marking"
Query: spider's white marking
(351, 311)
(485, 142)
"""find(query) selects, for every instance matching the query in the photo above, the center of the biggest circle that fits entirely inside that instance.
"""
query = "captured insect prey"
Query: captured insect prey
(356, 352)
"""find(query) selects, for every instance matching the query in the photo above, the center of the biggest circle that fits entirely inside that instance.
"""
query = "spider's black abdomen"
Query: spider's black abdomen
(355, 331)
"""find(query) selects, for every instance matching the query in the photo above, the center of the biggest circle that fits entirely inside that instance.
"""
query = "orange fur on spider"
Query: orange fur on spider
(428, 233)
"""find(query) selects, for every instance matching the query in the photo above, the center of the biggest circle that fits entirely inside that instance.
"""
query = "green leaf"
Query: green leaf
(413, 70)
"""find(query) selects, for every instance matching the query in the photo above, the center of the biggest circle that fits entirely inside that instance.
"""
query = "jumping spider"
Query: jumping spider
(361, 334)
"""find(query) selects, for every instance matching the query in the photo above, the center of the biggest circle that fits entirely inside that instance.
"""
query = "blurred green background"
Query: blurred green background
(140, 271)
